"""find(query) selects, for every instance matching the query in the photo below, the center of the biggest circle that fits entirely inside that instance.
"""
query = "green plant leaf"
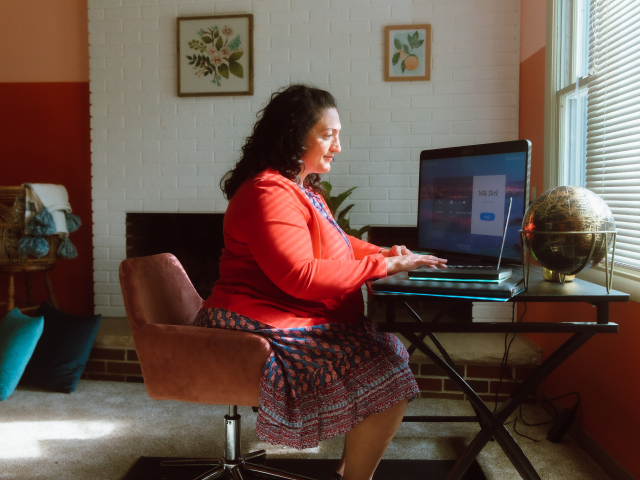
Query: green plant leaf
(419, 43)
(402, 66)
(337, 200)
(343, 223)
(327, 189)
(235, 43)
(345, 211)
(406, 49)
(216, 33)
(235, 56)
(236, 69)
(207, 39)
(362, 231)
(341, 219)
(397, 43)
(219, 43)
(395, 58)
(224, 70)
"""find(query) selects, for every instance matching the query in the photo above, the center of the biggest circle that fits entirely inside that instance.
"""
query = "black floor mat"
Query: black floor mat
(148, 468)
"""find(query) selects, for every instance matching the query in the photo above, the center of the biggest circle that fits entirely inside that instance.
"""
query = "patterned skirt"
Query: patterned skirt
(322, 380)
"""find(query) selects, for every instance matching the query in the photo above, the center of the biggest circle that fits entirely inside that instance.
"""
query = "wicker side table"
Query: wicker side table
(12, 229)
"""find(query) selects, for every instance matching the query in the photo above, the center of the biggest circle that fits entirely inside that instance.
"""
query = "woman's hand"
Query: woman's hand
(395, 251)
(400, 259)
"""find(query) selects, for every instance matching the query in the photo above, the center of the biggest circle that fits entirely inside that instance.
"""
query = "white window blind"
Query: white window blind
(613, 119)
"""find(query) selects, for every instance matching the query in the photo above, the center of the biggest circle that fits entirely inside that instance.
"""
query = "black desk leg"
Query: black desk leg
(602, 314)
(437, 343)
(497, 428)
(390, 311)
(493, 424)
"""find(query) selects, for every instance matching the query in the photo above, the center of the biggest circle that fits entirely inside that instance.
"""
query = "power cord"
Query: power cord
(561, 423)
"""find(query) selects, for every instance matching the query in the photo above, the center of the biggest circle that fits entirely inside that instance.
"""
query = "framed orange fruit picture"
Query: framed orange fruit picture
(407, 52)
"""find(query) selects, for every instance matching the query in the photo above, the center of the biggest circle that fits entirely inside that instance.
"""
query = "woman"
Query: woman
(290, 273)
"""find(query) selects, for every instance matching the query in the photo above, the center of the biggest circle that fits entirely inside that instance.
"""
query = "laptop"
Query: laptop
(471, 203)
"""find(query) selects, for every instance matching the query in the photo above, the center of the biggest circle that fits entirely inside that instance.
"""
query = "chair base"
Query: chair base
(233, 462)
(220, 465)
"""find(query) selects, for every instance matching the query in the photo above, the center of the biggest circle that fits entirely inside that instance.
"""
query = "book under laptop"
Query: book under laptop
(470, 208)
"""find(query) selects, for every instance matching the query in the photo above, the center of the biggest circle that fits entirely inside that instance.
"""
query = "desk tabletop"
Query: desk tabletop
(539, 290)
(575, 291)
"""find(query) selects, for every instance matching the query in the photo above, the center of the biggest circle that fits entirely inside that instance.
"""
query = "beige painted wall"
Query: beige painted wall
(44, 41)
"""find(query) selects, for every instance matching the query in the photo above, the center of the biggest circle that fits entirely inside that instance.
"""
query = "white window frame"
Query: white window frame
(556, 95)
(555, 173)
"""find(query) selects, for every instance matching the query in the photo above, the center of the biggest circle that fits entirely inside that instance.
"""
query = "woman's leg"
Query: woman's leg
(367, 442)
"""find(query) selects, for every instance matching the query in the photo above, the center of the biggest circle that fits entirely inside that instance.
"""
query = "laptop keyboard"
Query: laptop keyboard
(470, 267)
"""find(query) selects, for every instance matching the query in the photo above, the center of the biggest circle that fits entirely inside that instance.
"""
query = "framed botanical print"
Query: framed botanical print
(407, 52)
(215, 55)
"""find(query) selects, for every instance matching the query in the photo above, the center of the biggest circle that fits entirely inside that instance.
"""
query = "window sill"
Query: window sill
(624, 280)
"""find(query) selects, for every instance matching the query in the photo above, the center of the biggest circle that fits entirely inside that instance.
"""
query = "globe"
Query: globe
(568, 209)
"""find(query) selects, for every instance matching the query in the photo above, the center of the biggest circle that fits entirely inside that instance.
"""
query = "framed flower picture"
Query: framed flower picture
(215, 55)
(407, 52)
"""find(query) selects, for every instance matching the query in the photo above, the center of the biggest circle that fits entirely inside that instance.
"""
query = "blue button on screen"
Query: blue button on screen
(487, 217)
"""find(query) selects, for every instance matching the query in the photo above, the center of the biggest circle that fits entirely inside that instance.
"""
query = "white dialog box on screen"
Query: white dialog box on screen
(487, 205)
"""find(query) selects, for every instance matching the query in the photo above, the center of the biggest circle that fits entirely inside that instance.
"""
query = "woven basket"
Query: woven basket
(12, 228)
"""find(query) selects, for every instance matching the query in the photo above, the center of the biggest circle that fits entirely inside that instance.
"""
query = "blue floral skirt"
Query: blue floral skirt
(322, 380)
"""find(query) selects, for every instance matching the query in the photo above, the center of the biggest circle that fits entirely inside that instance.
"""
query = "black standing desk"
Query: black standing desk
(492, 424)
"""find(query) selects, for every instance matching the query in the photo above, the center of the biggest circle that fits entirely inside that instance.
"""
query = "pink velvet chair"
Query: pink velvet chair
(200, 365)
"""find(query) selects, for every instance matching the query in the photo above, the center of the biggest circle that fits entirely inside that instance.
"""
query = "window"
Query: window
(593, 108)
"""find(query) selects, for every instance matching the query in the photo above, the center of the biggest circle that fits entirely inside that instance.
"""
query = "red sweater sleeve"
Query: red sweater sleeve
(361, 248)
(280, 239)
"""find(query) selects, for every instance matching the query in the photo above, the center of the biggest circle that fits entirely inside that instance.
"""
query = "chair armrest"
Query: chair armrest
(201, 365)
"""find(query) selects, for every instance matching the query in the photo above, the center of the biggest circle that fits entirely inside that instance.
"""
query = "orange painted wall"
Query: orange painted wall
(44, 41)
(531, 117)
(603, 371)
(44, 125)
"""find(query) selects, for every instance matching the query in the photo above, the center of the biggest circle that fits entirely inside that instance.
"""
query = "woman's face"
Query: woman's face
(322, 143)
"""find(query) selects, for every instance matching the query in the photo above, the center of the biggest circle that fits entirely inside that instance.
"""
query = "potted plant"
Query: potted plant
(341, 218)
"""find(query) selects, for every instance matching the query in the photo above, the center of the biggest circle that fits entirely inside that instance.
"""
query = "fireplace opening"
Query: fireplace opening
(194, 238)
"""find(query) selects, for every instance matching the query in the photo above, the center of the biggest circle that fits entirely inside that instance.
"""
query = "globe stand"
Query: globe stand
(608, 268)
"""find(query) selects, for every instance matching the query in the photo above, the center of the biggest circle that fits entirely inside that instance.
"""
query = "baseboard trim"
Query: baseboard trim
(599, 455)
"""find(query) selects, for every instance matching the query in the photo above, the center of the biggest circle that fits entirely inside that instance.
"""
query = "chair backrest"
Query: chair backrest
(180, 361)
(157, 290)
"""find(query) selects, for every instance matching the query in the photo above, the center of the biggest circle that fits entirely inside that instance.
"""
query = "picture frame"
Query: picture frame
(407, 52)
(215, 55)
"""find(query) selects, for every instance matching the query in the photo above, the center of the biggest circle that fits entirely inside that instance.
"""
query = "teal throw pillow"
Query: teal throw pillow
(19, 335)
(63, 350)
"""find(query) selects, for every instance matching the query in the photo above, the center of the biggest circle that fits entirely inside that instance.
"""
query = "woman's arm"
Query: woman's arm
(409, 261)
(361, 248)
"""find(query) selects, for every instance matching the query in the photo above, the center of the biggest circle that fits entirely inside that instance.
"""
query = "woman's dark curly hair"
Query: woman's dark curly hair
(279, 137)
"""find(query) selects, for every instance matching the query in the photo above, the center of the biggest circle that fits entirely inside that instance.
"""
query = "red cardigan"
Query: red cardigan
(284, 264)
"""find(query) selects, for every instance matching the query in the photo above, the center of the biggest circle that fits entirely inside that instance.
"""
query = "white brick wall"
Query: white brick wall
(493, 311)
(155, 152)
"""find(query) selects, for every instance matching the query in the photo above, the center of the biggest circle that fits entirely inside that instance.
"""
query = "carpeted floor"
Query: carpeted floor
(101, 430)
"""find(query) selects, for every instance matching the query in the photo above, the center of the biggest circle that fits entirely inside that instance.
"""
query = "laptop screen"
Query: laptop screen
(464, 196)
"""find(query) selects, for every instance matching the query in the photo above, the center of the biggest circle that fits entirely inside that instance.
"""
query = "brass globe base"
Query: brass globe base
(552, 276)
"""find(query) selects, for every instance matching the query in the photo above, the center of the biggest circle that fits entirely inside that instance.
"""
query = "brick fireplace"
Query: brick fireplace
(194, 238)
